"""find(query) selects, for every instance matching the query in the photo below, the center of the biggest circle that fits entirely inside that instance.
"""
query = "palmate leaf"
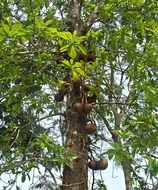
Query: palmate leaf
(75, 33)
(110, 153)
(69, 35)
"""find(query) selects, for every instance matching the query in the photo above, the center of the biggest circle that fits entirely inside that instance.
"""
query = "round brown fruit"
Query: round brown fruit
(63, 91)
(87, 108)
(90, 128)
(89, 57)
(58, 97)
(78, 107)
(93, 165)
(102, 164)
(92, 99)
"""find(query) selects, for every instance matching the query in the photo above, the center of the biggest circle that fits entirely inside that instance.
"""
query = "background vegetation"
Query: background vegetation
(39, 44)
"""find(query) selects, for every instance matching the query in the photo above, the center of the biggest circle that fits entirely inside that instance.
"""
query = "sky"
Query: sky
(114, 177)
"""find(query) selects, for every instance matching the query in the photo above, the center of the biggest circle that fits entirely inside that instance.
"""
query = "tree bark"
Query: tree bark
(75, 176)
(127, 169)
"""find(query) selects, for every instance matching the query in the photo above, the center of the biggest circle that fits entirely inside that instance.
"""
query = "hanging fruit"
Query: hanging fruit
(78, 107)
(63, 91)
(89, 57)
(93, 165)
(102, 164)
(90, 128)
(58, 97)
(92, 99)
(87, 107)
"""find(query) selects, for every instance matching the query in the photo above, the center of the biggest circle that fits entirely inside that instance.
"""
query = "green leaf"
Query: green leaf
(110, 153)
(82, 49)
(29, 178)
(82, 72)
(73, 52)
(118, 158)
(75, 33)
(17, 187)
(52, 30)
(60, 42)
(39, 23)
(67, 63)
(65, 35)
(69, 35)
(16, 29)
(64, 48)
(48, 22)
(74, 75)
(6, 29)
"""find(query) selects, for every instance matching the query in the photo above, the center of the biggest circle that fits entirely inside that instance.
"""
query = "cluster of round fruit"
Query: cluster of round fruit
(86, 108)
(80, 90)
(75, 84)
(101, 164)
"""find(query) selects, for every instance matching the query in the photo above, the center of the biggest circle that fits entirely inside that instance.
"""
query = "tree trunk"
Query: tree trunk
(127, 169)
(75, 176)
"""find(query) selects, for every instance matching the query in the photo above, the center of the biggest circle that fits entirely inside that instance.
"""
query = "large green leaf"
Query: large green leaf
(73, 53)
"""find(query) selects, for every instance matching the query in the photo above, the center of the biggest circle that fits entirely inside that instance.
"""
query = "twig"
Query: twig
(121, 103)
(42, 118)
(94, 15)
(49, 172)
(93, 180)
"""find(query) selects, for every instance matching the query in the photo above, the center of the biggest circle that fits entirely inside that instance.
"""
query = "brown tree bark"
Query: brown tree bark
(75, 176)
(127, 170)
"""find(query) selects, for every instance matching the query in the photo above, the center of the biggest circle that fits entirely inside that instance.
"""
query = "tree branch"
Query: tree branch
(42, 118)
(94, 16)
(49, 170)
(114, 135)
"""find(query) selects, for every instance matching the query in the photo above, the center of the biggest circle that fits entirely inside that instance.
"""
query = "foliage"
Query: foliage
(37, 52)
